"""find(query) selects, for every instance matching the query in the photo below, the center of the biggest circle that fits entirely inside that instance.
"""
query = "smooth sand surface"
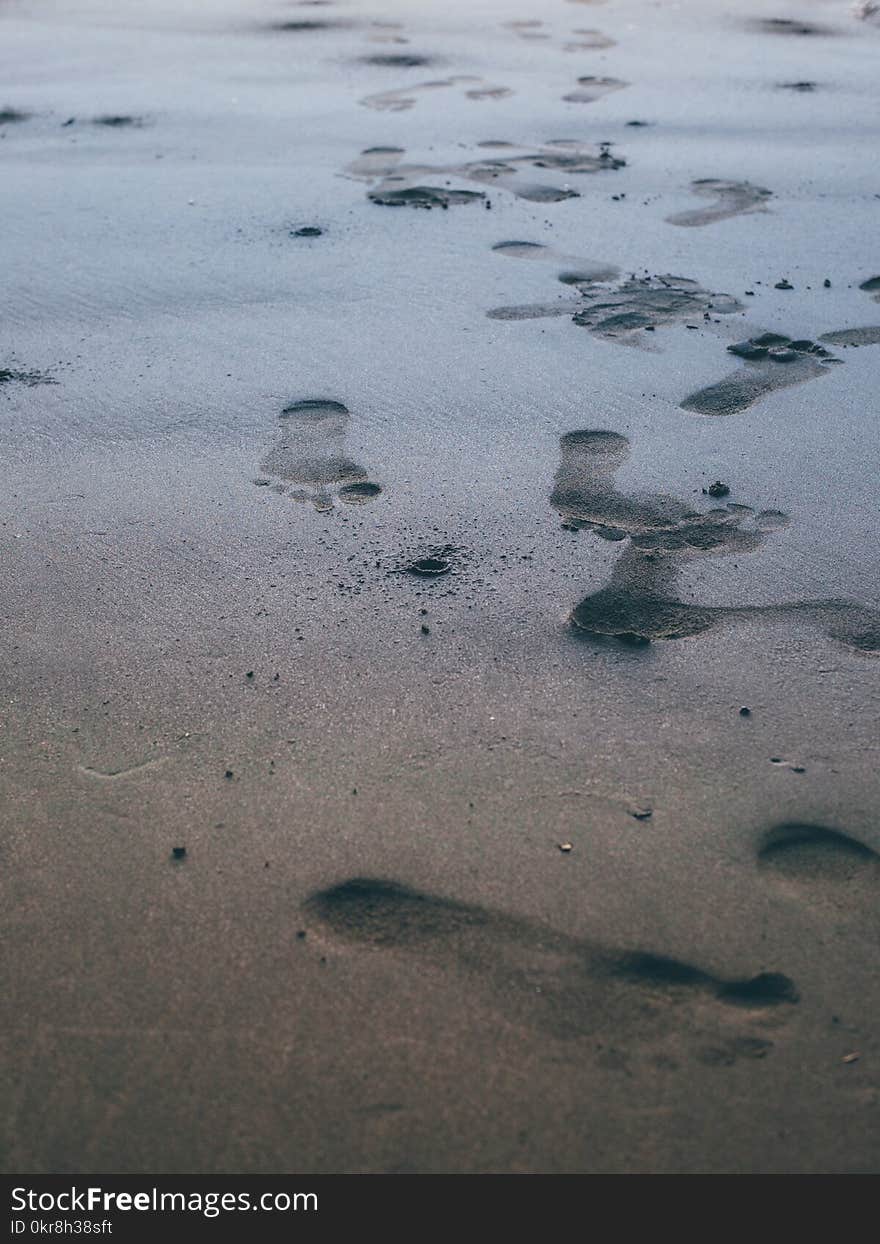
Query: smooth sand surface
(562, 860)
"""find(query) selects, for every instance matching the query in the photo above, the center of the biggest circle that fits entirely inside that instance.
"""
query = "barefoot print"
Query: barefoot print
(406, 97)
(583, 40)
(639, 605)
(773, 361)
(574, 272)
(508, 168)
(528, 29)
(569, 988)
(788, 26)
(590, 89)
(387, 32)
(309, 453)
(821, 868)
(588, 40)
(730, 198)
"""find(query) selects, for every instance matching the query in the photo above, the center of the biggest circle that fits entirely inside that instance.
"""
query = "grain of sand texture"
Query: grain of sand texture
(440, 586)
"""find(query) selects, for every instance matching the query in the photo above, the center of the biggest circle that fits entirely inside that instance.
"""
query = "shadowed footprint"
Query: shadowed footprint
(872, 287)
(403, 184)
(310, 451)
(406, 97)
(590, 89)
(820, 865)
(639, 605)
(731, 198)
(570, 987)
(773, 361)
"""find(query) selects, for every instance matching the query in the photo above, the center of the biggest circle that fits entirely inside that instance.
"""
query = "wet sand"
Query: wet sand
(439, 578)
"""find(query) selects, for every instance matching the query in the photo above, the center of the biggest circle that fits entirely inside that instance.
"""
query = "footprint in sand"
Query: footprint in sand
(309, 453)
(642, 304)
(590, 89)
(821, 866)
(13, 375)
(406, 97)
(585, 40)
(730, 198)
(637, 306)
(773, 361)
(387, 32)
(788, 26)
(397, 60)
(577, 274)
(309, 26)
(868, 336)
(509, 168)
(639, 603)
(588, 40)
(568, 987)
(528, 29)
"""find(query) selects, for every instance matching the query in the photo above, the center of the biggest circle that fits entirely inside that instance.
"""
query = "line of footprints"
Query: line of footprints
(659, 534)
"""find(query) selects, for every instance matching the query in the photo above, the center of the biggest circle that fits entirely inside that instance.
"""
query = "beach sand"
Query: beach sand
(412, 761)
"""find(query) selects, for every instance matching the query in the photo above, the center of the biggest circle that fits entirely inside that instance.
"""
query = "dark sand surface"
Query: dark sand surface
(375, 954)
